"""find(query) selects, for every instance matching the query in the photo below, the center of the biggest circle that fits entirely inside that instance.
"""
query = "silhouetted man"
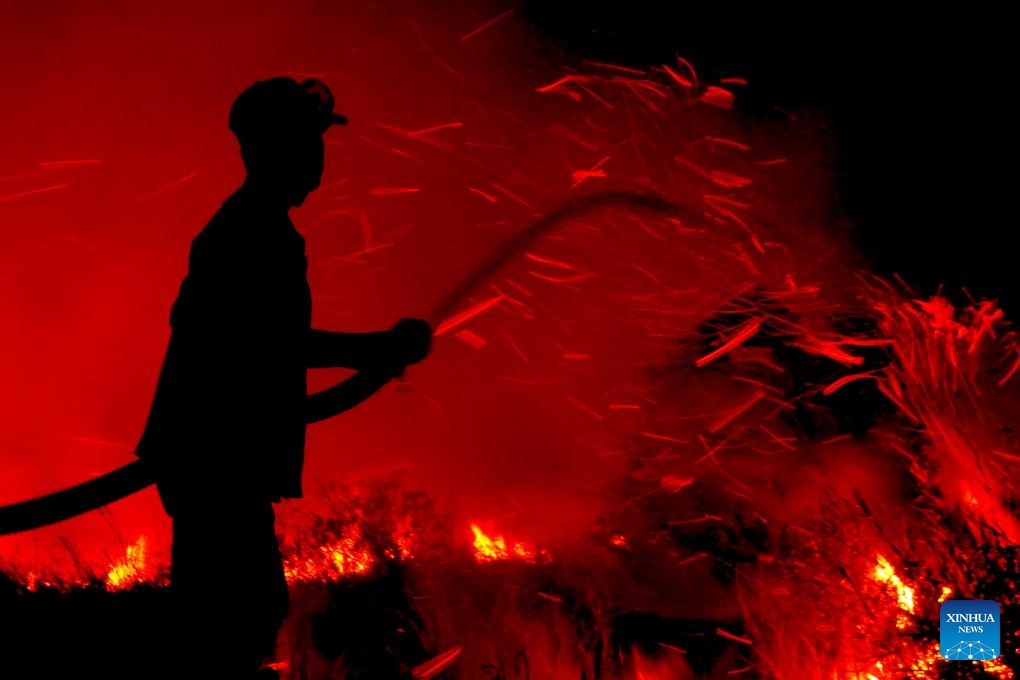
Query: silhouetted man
(226, 430)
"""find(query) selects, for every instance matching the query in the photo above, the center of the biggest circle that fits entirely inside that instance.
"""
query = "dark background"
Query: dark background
(917, 102)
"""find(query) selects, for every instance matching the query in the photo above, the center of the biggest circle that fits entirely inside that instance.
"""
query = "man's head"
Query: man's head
(279, 124)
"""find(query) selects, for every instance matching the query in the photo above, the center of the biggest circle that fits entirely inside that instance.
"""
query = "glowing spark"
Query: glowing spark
(717, 96)
(732, 415)
(779, 440)
(488, 197)
(716, 202)
(422, 135)
(675, 484)
(725, 200)
(687, 67)
(449, 69)
(1012, 369)
(392, 191)
(503, 190)
(559, 279)
(471, 339)
(832, 387)
(663, 438)
(677, 77)
(728, 179)
(468, 314)
(550, 261)
(32, 192)
(519, 288)
(739, 146)
(742, 335)
(436, 664)
(1008, 456)
(168, 187)
(584, 407)
(514, 345)
(595, 171)
(84, 244)
(573, 136)
(436, 128)
(391, 149)
(488, 24)
(831, 350)
(558, 87)
(730, 636)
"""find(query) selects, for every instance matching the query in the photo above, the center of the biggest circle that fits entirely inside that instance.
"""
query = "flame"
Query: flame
(928, 658)
(404, 539)
(129, 570)
(884, 573)
(331, 561)
(491, 549)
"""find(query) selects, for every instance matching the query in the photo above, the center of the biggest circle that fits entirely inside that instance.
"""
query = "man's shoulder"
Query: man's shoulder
(228, 220)
(238, 226)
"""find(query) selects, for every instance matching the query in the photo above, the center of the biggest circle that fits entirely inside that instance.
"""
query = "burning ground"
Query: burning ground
(672, 428)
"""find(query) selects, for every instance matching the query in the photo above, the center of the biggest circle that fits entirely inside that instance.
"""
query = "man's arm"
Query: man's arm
(406, 343)
(358, 351)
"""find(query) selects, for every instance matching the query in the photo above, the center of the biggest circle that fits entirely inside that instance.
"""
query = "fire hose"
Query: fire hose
(343, 396)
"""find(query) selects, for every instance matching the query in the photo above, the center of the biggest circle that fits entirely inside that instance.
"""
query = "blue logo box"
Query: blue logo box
(969, 630)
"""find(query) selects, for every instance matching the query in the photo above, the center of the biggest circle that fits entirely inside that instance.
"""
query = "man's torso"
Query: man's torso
(229, 404)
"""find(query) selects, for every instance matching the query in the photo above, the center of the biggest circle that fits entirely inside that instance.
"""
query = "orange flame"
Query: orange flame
(331, 561)
(884, 573)
(925, 663)
(493, 548)
(129, 570)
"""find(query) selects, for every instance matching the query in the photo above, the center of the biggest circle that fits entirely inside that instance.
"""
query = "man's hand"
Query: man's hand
(411, 341)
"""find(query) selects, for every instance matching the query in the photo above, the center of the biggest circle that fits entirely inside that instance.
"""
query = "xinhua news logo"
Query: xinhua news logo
(969, 630)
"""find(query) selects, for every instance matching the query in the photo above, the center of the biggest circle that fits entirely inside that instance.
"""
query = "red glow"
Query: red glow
(620, 391)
